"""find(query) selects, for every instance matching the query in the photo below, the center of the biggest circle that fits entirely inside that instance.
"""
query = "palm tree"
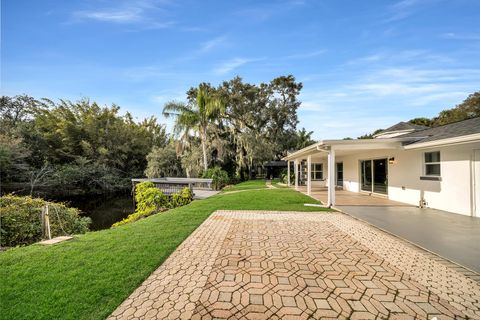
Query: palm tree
(304, 138)
(197, 116)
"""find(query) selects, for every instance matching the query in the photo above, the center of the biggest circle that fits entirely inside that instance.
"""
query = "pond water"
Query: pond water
(104, 210)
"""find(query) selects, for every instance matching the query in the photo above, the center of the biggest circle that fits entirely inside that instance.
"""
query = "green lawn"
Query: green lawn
(88, 277)
(275, 183)
(247, 185)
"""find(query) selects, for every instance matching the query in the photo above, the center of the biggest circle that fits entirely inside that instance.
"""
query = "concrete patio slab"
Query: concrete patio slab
(450, 235)
(55, 240)
(200, 194)
(348, 198)
(275, 265)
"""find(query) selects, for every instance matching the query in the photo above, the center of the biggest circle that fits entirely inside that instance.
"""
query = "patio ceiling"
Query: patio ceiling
(345, 147)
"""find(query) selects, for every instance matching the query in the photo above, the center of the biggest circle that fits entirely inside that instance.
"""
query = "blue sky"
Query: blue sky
(364, 64)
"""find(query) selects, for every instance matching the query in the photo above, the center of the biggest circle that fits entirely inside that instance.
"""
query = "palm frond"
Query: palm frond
(174, 108)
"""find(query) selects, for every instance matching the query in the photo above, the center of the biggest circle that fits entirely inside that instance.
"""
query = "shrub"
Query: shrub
(219, 176)
(21, 220)
(284, 176)
(151, 200)
(182, 198)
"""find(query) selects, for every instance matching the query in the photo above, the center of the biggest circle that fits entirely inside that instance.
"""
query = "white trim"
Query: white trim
(317, 171)
(475, 185)
(296, 174)
(331, 178)
(288, 173)
(431, 163)
(309, 175)
(387, 143)
(455, 140)
(384, 133)
(358, 144)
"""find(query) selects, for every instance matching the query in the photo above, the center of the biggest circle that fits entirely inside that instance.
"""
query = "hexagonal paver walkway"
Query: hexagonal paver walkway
(293, 265)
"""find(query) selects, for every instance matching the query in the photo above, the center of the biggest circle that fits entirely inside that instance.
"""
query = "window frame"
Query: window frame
(432, 163)
(314, 172)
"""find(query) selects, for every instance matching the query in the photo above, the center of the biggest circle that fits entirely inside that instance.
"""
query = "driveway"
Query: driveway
(277, 265)
(453, 236)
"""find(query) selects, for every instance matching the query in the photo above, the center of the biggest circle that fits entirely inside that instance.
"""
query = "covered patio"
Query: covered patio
(348, 198)
(320, 172)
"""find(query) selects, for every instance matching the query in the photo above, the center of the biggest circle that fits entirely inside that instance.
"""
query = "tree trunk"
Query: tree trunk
(204, 149)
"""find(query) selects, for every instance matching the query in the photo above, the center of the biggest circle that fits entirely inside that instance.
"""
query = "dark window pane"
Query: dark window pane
(432, 169)
(380, 182)
(432, 156)
(366, 175)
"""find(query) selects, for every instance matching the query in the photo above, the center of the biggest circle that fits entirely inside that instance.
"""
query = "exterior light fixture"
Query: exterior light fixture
(391, 160)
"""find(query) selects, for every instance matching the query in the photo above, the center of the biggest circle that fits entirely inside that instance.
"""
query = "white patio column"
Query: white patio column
(331, 178)
(288, 173)
(309, 175)
(296, 174)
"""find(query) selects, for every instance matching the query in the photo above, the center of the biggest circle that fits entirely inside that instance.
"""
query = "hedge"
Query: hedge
(21, 220)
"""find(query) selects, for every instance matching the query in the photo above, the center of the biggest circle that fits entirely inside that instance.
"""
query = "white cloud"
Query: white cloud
(464, 36)
(405, 8)
(125, 12)
(306, 55)
(212, 44)
(230, 65)
(118, 16)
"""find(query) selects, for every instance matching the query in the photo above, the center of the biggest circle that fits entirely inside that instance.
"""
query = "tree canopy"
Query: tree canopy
(73, 147)
(239, 125)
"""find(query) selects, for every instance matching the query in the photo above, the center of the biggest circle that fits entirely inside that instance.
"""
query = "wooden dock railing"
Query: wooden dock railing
(172, 185)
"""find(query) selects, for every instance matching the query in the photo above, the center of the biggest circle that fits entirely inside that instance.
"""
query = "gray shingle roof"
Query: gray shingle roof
(404, 126)
(452, 130)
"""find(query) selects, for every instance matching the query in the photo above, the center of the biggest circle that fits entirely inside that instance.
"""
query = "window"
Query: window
(317, 171)
(432, 163)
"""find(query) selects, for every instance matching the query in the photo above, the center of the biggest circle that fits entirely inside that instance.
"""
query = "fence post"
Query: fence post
(47, 223)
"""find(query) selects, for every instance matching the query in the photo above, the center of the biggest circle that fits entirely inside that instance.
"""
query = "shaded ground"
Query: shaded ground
(453, 236)
(273, 265)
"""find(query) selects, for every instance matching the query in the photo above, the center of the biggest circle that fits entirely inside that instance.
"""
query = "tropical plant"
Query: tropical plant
(304, 138)
(196, 116)
(219, 177)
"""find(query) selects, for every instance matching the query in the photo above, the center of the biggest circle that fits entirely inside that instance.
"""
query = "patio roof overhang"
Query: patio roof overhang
(346, 146)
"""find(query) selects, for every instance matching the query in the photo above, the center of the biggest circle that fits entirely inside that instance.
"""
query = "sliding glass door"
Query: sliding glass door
(339, 174)
(366, 169)
(374, 176)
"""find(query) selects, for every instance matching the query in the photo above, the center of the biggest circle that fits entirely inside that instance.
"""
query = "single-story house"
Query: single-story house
(427, 167)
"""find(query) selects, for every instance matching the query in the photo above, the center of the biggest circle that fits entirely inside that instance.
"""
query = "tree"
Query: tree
(370, 135)
(304, 138)
(163, 162)
(469, 108)
(196, 116)
(13, 159)
(88, 148)
(259, 120)
(421, 121)
(15, 111)
(39, 177)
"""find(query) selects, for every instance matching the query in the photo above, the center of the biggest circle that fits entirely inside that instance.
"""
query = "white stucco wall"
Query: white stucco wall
(453, 193)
